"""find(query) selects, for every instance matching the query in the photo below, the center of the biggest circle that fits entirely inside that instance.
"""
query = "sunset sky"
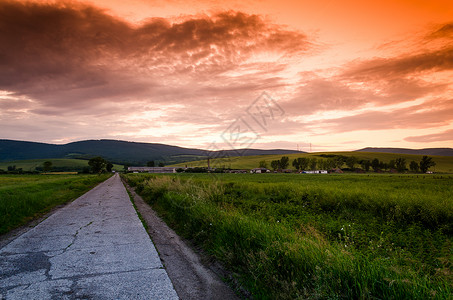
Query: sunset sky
(341, 75)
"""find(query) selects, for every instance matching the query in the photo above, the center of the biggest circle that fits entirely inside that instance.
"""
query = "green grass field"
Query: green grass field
(341, 236)
(444, 164)
(69, 164)
(24, 197)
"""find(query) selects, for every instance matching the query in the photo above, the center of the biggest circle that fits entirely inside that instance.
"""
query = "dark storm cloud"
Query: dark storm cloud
(69, 55)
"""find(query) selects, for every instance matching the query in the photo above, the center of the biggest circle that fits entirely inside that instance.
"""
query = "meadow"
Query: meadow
(444, 164)
(25, 197)
(288, 236)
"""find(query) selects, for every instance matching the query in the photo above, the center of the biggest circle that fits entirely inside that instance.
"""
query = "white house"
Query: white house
(259, 170)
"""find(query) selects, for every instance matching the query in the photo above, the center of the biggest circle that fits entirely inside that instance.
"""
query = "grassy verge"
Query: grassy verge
(293, 236)
(131, 197)
(24, 197)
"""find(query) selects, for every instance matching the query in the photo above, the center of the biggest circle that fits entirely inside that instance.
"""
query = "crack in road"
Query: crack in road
(75, 236)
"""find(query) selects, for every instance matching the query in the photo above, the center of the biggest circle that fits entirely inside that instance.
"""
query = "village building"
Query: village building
(259, 170)
(152, 169)
(316, 172)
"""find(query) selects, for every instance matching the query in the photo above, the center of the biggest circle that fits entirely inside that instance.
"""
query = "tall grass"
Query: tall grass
(23, 197)
(304, 238)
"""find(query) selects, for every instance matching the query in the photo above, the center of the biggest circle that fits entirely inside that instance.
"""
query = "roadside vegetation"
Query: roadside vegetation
(292, 236)
(25, 197)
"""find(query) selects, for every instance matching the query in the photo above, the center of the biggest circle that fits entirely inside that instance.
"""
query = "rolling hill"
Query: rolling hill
(133, 153)
(121, 152)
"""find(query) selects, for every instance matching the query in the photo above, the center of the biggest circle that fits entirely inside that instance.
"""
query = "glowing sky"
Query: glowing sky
(344, 74)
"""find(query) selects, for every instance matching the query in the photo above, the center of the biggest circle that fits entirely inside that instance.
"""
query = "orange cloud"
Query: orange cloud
(76, 66)
(426, 115)
(387, 68)
(445, 31)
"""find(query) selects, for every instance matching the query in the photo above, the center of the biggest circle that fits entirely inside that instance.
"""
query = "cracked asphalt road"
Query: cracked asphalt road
(93, 248)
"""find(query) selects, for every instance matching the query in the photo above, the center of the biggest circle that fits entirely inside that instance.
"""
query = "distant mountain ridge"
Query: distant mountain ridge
(425, 151)
(121, 152)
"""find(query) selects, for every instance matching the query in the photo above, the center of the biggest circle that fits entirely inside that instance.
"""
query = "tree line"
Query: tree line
(332, 161)
(95, 165)
(152, 163)
(99, 165)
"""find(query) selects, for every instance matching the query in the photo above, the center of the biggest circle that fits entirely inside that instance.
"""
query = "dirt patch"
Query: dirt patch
(193, 274)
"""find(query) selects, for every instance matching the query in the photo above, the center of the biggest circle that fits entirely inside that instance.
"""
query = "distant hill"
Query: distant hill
(426, 151)
(120, 152)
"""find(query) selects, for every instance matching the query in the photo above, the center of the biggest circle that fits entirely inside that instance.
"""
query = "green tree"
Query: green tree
(109, 167)
(330, 164)
(313, 163)
(338, 161)
(375, 164)
(303, 162)
(47, 166)
(365, 164)
(426, 163)
(351, 162)
(97, 164)
(284, 162)
(263, 164)
(150, 163)
(275, 164)
(296, 164)
(392, 164)
(161, 164)
(413, 166)
(321, 164)
(400, 164)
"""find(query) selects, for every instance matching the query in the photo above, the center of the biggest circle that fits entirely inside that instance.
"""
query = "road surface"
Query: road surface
(93, 248)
